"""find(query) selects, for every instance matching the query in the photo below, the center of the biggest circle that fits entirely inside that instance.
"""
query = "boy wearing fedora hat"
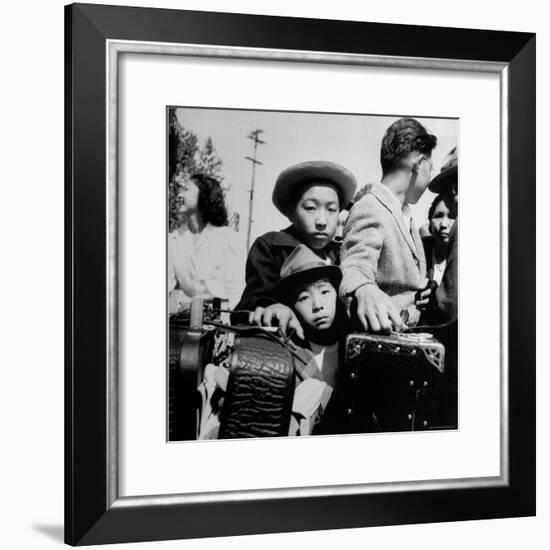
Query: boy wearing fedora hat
(309, 287)
(382, 257)
(311, 195)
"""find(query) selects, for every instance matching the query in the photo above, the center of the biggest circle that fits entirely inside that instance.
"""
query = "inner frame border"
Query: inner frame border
(114, 48)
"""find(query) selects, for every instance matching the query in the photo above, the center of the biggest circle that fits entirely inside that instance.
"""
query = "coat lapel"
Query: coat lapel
(384, 196)
(415, 235)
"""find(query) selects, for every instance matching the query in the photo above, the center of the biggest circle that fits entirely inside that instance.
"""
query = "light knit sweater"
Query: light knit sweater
(379, 249)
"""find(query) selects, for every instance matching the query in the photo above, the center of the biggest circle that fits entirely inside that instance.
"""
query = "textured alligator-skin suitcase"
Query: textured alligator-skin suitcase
(260, 389)
(257, 401)
(394, 382)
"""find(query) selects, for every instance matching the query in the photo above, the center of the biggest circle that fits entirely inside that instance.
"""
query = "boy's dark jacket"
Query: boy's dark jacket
(263, 267)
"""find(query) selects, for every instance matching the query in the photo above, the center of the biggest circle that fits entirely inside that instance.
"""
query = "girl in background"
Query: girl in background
(205, 257)
(441, 216)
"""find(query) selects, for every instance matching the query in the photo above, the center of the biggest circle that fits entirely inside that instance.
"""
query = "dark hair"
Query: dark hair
(211, 202)
(449, 201)
(402, 138)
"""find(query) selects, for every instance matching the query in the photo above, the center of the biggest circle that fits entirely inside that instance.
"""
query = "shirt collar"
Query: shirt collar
(401, 213)
(286, 237)
(405, 207)
(407, 215)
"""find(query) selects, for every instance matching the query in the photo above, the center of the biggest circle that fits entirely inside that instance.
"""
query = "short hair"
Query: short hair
(449, 201)
(402, 138)
(211, 202)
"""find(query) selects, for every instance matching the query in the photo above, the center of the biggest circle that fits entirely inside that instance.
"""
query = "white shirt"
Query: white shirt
(438, 269)
(405, 212)
(327, 360)
(209, 264)
(407, 215)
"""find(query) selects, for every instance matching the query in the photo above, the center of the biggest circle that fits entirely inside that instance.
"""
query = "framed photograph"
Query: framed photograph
(232, 251)
(236, 189)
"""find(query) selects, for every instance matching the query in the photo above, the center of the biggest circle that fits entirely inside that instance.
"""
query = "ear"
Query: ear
(416, 163)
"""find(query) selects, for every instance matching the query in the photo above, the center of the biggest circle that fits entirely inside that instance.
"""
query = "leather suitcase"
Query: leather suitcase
(258, 399)
(393, 382)
(260, 389)
(190, 350)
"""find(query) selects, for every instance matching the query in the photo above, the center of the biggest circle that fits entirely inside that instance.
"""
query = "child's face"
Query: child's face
(441, 223)
(315, 216)
(316, 304)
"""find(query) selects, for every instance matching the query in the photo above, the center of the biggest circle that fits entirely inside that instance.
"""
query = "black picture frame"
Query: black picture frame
(94, 514)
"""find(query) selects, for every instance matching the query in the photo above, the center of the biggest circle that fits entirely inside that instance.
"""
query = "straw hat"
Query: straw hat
(290, 180)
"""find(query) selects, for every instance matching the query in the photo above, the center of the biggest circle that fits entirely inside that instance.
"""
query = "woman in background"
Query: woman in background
(442, 215)
(205, 257)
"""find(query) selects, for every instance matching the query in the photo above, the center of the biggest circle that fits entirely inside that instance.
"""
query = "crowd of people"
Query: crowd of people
(349, 260)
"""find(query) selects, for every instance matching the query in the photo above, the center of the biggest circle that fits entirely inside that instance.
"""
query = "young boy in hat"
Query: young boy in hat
(310, 195)
(382, 258)
(309, 287)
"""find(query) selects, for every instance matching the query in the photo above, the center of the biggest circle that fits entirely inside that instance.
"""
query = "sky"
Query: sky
(292, 137)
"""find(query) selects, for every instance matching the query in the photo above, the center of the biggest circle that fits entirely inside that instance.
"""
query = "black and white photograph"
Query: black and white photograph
(312, 273)
(273, 321)
(239, 310)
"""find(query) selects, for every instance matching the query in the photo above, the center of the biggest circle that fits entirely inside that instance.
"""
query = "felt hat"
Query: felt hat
(447, 175)
(291, 180)
(301, 267)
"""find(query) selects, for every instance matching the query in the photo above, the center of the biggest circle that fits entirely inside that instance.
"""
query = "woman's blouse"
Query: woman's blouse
(209, 264)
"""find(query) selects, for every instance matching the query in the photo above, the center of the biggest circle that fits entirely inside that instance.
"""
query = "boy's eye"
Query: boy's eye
(302, 298)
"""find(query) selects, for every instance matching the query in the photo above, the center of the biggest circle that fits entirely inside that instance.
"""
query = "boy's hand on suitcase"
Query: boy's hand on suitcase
(277, 315)
(375, 310)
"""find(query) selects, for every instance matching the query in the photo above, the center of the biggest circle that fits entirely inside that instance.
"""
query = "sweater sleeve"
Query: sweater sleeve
(363, 239)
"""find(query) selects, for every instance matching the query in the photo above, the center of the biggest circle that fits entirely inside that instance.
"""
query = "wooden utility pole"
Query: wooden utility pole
(254, 136)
